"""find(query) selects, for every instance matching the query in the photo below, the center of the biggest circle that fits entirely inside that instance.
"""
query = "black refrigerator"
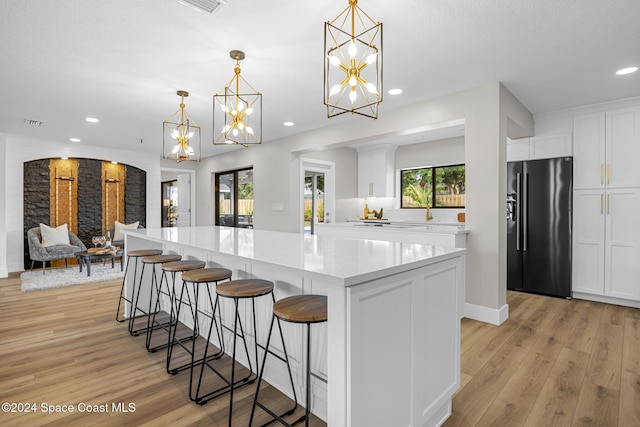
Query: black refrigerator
(539, 222)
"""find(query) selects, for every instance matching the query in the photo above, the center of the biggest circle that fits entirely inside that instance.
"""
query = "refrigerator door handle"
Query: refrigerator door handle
(518, 210)
(525, 209)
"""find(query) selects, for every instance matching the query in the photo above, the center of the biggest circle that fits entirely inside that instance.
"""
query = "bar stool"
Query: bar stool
(135, 254)
(153, 260)
(306, 309)
(237, 290)
(197, 278)
(171, 267)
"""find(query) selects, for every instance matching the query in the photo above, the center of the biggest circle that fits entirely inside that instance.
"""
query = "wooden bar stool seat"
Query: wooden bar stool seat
(200, 278)
(245, 288)
(133, 308)
(237, 290)
(303, 309)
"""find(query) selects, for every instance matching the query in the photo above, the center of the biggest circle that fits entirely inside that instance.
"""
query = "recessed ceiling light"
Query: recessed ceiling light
(92, 119)
(74, 139)
(114, 162)
(288, 123)
(627, 70)
(395, 91)
(64, 158)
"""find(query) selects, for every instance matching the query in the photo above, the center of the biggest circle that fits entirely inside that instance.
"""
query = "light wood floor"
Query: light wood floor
(63, 347)
(553, 362)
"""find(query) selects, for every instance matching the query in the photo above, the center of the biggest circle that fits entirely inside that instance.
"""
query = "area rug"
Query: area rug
(60, 277)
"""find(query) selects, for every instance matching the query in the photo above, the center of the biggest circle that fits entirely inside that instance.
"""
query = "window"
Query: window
(234, 196)
(437, 186)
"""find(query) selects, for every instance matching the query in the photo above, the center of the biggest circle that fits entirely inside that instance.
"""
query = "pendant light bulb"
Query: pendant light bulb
(352, 49)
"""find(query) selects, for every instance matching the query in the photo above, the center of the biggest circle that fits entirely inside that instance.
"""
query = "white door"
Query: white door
(588, 241)
(622, 245)
(184, 200)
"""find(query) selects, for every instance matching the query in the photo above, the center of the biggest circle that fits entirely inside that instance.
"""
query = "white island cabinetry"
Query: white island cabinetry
(389, 353)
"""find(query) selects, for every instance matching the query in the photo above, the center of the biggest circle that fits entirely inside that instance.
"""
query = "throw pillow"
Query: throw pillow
(117, 234)
(54, 236)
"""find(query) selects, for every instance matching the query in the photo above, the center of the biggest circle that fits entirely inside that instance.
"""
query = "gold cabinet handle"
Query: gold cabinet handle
(608, 173)
(601, 173)
(601, 204)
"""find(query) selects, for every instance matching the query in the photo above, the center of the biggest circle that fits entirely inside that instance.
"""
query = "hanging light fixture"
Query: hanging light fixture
(237, 110)
(180, 134)
(353, 63)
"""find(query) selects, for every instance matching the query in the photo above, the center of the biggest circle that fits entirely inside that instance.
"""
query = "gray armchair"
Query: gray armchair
(119, 243)
(37, 252)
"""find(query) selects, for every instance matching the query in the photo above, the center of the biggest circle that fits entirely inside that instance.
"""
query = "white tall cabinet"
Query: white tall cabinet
(606, 202)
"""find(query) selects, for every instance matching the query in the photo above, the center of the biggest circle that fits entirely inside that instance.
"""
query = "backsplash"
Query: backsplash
(353, 208)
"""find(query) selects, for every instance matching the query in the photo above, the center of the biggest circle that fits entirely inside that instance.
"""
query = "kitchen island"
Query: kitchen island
(389, 354)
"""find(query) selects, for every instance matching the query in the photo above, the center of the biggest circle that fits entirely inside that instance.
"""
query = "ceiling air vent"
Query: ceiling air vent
(30, 122)
(208, 6)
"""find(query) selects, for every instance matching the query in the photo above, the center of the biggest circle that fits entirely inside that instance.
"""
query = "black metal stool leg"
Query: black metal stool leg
(151, 320)
(126, 270)
(264, 362)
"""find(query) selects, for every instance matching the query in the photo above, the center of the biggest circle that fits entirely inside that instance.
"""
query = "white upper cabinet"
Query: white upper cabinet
(540, 147)
(607, 149)
(376, 171)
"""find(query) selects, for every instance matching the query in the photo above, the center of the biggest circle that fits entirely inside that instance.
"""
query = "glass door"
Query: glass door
(169, 203)
(313, 201)
(234, 198)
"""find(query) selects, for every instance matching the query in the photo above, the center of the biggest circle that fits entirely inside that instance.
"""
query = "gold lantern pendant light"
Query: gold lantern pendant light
(353, 63)
(180, 134)
(237, 110)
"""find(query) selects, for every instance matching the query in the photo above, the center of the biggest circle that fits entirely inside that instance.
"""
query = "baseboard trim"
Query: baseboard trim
(486, 314)
(606, 299)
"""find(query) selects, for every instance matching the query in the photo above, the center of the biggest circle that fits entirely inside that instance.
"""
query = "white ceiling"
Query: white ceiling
(123, 60)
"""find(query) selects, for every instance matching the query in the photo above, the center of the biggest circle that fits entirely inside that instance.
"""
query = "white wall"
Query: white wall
(489, 113)
(3, 211)
(24, 149)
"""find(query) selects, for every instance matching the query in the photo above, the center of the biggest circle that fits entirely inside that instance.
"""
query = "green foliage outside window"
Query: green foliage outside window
(419, 189)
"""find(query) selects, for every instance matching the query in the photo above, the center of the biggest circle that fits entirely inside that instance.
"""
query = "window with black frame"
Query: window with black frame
(234, 198)
(435, 186)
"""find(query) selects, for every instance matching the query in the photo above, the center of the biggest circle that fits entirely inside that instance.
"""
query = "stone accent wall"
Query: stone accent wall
(89, 200)
(135, 196)
(36, 197)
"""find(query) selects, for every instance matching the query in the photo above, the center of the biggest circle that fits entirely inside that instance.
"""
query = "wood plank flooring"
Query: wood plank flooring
(553, 362)
(63, 347)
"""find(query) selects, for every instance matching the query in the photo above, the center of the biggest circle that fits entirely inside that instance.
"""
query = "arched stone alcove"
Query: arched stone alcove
(88, 195)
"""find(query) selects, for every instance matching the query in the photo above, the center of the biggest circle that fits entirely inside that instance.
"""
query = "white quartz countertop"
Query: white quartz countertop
(343, 261)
